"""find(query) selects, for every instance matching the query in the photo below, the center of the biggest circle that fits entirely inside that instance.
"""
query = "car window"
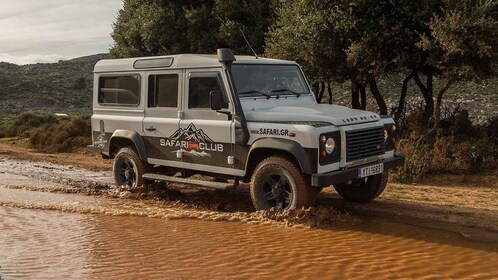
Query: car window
(199, 89)
(163, 90)
(119, 90)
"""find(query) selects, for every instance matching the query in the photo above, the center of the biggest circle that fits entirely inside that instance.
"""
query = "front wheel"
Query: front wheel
(128, 168)
(364, 190)
(279, 182)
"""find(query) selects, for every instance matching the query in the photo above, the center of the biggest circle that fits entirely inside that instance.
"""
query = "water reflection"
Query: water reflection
(56, 245)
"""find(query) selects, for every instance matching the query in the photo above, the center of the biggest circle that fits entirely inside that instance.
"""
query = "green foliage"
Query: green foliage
(461, 148)
(156, 27)
(463, 43)
(151, 27)
(51, 134)
(251, 17)
(314, 33)
(65, 136)
(27, 123)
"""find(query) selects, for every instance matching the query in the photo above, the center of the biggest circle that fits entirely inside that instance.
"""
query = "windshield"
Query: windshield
(269, 80)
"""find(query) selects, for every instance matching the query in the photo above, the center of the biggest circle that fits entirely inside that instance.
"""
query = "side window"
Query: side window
(163, 91)
(199, 89)
(119, 90)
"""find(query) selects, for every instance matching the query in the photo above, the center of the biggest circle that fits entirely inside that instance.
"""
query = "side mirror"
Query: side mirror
(216, 100)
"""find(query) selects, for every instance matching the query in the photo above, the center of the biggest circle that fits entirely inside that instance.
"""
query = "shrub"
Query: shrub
(27, 123)
(417, 159)
(460, 147)
(65, 136)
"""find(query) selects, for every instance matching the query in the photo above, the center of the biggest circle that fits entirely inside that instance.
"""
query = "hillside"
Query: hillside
(65, 86)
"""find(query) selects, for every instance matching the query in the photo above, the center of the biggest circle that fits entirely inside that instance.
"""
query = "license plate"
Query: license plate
(370, 170)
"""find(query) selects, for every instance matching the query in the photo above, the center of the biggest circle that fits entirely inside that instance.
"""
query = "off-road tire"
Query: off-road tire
(127, 158)
(363, 191)
(285, 175)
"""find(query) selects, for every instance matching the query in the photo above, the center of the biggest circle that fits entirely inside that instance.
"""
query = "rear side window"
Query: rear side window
(163, 91)
(119, 90)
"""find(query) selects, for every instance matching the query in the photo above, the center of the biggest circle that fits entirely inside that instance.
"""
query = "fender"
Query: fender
(134, 137)
(295, 149)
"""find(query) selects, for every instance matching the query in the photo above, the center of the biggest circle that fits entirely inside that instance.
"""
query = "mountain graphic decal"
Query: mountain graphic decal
(191, 133)
(193, 142)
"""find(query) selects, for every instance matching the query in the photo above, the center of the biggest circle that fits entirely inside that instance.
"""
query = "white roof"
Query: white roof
(181, 61)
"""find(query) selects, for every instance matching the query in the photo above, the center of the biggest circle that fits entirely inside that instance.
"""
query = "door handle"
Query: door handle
(151, 128)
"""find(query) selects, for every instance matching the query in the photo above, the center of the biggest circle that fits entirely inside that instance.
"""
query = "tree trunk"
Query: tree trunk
(427, 92)
(439, 101)
(355, 102)
(316, 88)
(377, 95)
(404, 90)
(322, 92)
(363, 96)
(329, 88)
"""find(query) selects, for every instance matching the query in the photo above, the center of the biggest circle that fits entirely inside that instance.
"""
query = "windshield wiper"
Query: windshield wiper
(287, 90)
(255, 91)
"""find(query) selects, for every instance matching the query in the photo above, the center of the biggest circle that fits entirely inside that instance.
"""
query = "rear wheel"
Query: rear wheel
(364, 190)
(279, 182)
(128, 168)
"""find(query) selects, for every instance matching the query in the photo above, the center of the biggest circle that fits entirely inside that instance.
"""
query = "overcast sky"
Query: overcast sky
(34, 31)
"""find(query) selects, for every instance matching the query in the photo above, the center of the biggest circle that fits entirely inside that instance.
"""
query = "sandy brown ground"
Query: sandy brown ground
(460, 203)
(17, 149)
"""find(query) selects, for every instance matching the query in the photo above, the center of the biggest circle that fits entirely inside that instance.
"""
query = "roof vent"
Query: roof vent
(226, 56)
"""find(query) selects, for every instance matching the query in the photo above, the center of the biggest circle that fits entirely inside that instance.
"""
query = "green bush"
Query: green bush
(459, 147)
(65, 136)
(49, 133)
(25, 124)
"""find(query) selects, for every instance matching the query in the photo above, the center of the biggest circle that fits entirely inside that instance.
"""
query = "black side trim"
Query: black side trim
(307, 158)
(341, 176)
(134, 137)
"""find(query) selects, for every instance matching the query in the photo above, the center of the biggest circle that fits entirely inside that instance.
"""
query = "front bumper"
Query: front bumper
(341, 176)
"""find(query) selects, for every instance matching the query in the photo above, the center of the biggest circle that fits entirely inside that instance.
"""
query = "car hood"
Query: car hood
(337, 115)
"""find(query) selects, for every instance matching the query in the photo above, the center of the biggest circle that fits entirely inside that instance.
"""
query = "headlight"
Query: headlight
(330, 146)
(386, 135)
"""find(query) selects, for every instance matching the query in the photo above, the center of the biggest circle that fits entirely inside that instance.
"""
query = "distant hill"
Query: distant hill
(65, 86)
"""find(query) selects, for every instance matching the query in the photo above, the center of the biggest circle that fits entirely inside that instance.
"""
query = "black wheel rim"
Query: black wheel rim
(277, 191)
(127, 173)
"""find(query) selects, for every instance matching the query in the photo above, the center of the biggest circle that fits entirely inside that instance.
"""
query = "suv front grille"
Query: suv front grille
(365, 143)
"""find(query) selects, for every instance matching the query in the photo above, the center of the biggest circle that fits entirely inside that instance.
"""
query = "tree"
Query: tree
(160, 27)
(463, 44)
(315, 34)
(150, 27)
(253, 18)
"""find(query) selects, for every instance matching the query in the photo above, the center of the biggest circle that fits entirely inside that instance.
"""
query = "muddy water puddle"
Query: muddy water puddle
(51, 228)
(100, 238)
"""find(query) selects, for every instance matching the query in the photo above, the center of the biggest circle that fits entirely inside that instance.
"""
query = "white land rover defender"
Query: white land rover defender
(236, 118)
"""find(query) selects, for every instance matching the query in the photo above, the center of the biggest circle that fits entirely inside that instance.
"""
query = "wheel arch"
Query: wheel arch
(123, 138)
(270, 146)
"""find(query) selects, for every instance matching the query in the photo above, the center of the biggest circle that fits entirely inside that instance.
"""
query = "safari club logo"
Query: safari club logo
(192, 142)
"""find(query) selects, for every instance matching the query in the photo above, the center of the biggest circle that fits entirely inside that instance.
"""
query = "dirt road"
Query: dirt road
(467, 205)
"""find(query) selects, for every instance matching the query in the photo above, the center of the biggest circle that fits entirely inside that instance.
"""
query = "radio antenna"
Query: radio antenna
(247, 41)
